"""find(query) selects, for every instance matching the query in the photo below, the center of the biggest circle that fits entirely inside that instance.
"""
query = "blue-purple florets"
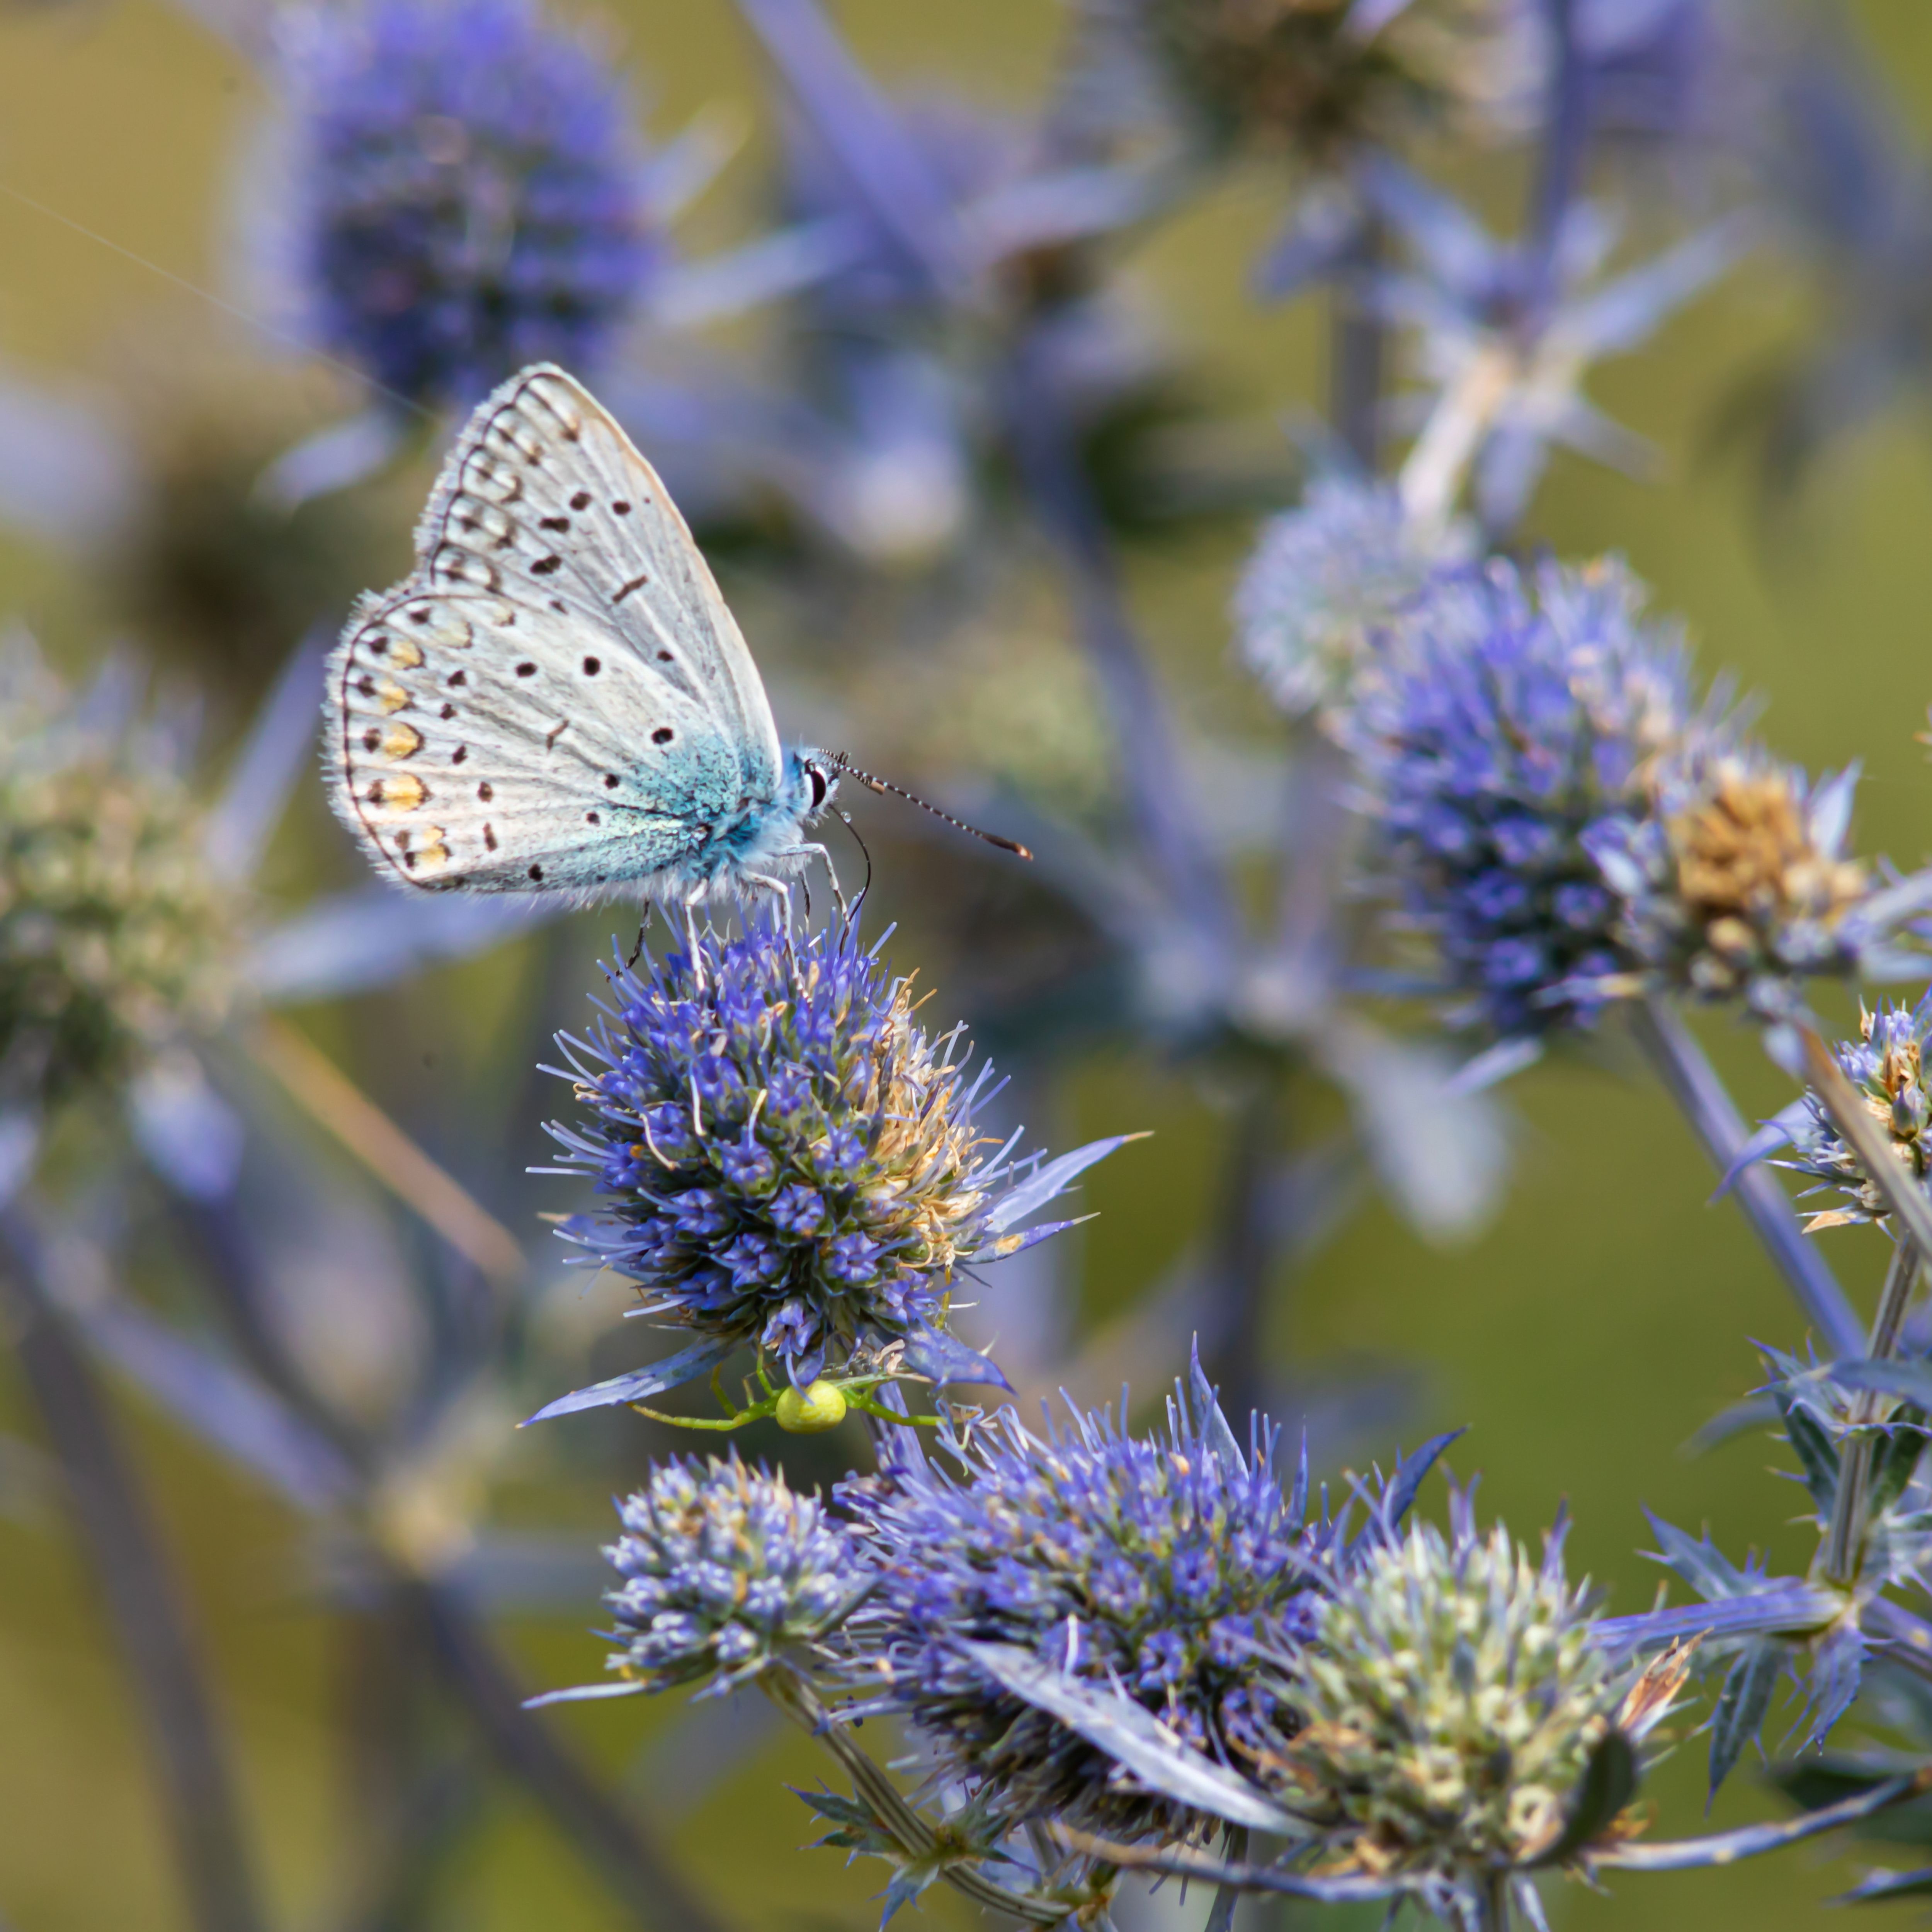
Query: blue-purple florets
(473, 193)
(726, 1569)
(1169, 1567)
(1514, 721)
(1886, 1064)
(785, 1159)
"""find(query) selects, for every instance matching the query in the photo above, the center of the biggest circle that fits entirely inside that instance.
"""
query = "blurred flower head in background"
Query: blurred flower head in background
(726, 1569)
(1511, 720)
(471, 193)
(1319, 79)
(117, 939)
(1325, 577)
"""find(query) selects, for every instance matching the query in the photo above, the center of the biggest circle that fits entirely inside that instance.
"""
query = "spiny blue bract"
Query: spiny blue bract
(1511, 719)
(788, 1160)
(1325, 577)
(725, 1568)
(1171, 1567)
(473, 191)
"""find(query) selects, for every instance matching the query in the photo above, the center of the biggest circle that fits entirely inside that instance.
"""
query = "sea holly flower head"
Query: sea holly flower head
(1328, 576)
(1513, 719)
(1885, 1063)
(1735, 882)
(118, 939)
(1450, 1705)
(726, 1570)
(472, 192)
(785, 1159)
(1174, 1570)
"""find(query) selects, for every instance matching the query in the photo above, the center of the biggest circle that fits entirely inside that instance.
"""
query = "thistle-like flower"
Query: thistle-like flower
(787, 1160)
(1325, 579)
(1450, 1707)
(1172, 1569)
(1734, 882)
(1886, 1064)
(116, 939)
(1512, 724)
(727, 1569)
(472, 193)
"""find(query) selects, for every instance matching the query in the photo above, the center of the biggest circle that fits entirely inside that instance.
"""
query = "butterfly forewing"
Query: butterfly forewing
(545, 499)
(558, 698)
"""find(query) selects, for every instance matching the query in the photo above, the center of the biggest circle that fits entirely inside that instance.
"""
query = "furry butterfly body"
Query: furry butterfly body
(556, 698)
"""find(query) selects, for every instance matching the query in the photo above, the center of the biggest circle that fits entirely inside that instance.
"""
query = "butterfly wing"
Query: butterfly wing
(558, 697)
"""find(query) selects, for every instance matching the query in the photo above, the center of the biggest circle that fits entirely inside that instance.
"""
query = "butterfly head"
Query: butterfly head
(811, 779)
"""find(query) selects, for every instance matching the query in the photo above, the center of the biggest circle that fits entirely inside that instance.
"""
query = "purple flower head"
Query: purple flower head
(723, 1569)
(472, 193)
(783, 1158)
(1172, 1569)
(1507, 724)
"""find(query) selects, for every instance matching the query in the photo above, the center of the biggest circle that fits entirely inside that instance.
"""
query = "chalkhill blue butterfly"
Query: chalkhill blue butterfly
(556, 699)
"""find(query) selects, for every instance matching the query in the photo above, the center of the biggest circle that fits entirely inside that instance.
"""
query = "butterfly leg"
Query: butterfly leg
(644, 926)
(690, 940)
(780, 889)
(808, 852)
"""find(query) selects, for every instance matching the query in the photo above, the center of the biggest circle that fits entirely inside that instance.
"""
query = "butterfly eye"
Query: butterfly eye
(817, 778)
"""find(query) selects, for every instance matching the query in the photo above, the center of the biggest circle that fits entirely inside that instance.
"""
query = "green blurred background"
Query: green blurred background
(1606, 1314)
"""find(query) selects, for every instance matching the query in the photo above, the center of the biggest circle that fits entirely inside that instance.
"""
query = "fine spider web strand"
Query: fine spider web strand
(260, 323)
(840, 762)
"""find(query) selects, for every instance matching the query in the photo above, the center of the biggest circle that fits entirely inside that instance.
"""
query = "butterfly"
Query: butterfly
(556, 699)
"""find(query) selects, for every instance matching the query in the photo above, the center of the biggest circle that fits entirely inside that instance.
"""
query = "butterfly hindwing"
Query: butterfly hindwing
(557, 699)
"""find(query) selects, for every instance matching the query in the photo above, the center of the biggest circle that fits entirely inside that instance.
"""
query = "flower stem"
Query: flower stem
(136, 1586)
(1492, 1904)
(907, 1829)
(1566, 137)
(1358, 353)
(326, 1093)
(1693, 1082)
(651, 1894)
(1045, 449)
(1842, 1539)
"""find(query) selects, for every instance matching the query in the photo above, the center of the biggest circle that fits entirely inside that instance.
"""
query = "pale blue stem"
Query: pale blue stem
(1692, 1081)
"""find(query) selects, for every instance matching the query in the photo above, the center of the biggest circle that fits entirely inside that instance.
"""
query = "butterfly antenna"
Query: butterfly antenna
(840, 762)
